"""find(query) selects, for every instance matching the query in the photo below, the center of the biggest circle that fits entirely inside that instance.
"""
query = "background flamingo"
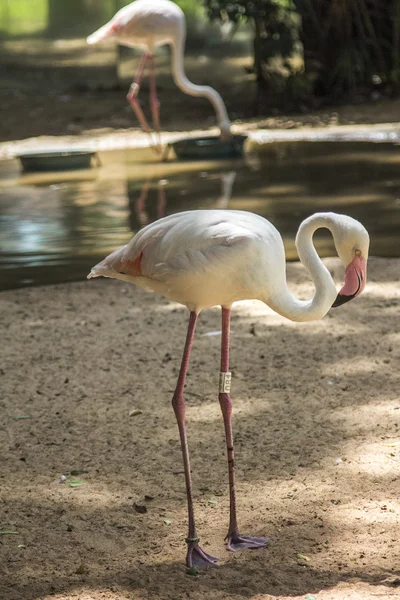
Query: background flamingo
(204, 258)
(147, 24)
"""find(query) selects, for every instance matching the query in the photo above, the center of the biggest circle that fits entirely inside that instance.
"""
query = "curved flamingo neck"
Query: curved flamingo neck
(283, 301)
(178, 73)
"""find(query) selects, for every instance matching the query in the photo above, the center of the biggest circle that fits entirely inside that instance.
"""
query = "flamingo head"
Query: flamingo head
(352, 244)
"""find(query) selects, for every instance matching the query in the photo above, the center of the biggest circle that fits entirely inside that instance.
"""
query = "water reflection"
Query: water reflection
(138, 213)
(53, 227)
(149, 202)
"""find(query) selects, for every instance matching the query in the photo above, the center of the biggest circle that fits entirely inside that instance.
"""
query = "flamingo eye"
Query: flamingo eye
(357, 252)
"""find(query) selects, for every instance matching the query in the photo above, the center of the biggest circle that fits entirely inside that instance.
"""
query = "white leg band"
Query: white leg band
(225, 380)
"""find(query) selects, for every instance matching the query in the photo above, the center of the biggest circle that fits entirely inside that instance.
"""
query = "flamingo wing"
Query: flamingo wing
(187, 242)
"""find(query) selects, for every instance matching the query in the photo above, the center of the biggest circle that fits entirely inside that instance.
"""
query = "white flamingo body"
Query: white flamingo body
(143, 24)
(206, 257)
(148, 24)
(219, 246)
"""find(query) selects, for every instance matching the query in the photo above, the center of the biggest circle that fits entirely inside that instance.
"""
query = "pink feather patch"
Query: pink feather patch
(131, 266)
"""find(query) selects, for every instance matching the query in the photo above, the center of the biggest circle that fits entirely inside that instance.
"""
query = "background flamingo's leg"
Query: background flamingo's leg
(133, 100)
(154, 101)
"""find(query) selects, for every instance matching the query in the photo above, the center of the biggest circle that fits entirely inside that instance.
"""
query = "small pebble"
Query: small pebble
(134, 412)
(63, 479)
(211, 333)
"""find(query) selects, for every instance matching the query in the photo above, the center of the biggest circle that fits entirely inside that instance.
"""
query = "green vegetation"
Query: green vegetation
(22, 17)
(75, 17)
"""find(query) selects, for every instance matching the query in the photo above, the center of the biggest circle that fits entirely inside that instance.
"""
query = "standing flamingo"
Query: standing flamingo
(147, 24)
(204, 258)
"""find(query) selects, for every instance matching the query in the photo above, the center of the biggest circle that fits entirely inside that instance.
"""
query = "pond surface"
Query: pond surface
(55, 226)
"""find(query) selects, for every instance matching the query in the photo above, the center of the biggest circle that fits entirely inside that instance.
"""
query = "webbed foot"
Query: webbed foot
(235, 541)
(196, 557)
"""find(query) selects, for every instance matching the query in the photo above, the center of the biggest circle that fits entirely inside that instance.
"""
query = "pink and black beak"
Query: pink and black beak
(354, 281)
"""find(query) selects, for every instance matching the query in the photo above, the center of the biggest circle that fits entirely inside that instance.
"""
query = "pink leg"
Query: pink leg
(195, 557)
(134, 91)
(132, 98)
(154, 102)
(235, 541)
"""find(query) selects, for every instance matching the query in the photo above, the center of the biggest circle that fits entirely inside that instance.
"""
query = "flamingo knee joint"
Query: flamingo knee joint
(134, 90)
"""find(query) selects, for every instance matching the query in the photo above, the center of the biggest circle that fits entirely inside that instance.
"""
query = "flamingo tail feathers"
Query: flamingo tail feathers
(118, 262)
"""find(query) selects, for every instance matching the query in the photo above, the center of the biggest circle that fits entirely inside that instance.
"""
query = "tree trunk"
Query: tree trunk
(347, 44)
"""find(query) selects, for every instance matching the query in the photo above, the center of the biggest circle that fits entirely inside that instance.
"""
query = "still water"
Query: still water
(55, 226)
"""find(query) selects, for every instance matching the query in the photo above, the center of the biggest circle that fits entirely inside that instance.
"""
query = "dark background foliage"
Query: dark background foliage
(347, 46)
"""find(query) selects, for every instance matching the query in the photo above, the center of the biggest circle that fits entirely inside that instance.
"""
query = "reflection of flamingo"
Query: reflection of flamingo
(140, 210)
(140, 203)
(146, 25)
(227, 181)
(204, 258)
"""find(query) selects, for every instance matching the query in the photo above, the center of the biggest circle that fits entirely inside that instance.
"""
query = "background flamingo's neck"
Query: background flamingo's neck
(178, 48)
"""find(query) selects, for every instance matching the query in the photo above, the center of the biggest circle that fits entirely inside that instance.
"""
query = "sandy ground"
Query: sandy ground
(87, 374)
(81, 116)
